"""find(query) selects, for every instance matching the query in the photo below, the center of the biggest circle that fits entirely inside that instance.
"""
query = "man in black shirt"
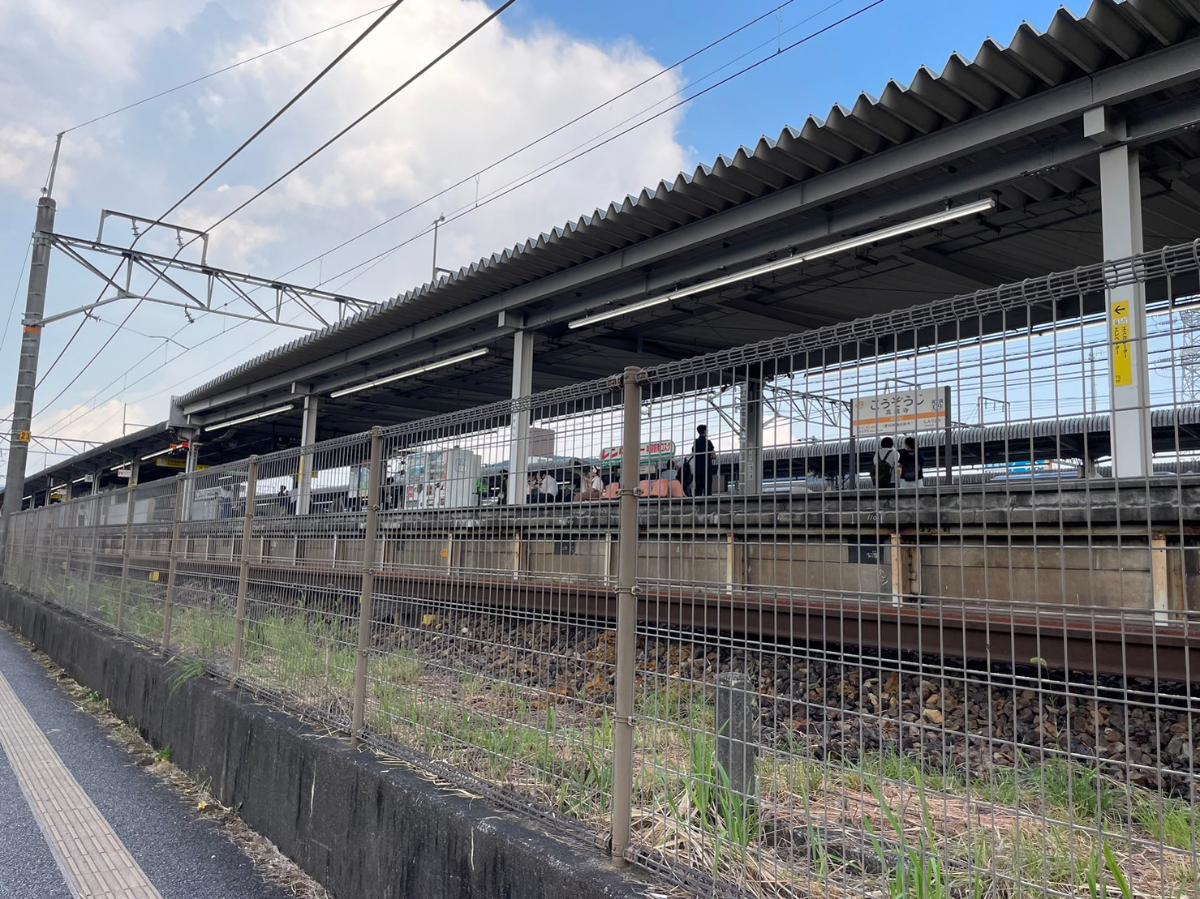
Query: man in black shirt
(910, 462)
(702, 460)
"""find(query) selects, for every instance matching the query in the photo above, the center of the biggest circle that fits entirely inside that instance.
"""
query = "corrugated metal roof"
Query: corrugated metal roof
(1033, 61)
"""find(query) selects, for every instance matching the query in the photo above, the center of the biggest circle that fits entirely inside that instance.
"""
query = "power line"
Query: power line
(358, 121)
(531, 144)
(556, 130)
(517, 184)
(229, 158)
(16, 293)
(487, 19)
(374, 261)
(221, 71)
(70, 418)
(575, 120)
(523, 180)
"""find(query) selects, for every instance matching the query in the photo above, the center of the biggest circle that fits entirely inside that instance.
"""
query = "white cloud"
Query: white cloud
(105, 37)
(62, 64)
(497, 92)
(21, 148)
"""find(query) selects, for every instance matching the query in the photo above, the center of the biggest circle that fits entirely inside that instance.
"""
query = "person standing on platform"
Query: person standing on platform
(548, 488)
(702, 462)
(910, 462)
(883, 466)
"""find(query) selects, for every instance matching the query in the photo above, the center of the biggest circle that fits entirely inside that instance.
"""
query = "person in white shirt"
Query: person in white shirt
(548, 488)
(595, 484)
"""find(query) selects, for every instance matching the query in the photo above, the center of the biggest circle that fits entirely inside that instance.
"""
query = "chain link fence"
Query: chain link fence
(872, 610)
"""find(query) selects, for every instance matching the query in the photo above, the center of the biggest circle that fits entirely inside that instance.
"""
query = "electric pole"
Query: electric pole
(27, 367)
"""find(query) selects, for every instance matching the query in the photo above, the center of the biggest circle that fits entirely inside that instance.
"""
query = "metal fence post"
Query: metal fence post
(130, 505)
(366, 597)
(94, 544)
(622, 797)
(42, 567)
(172, 553)
(239, 632)
(68, 514)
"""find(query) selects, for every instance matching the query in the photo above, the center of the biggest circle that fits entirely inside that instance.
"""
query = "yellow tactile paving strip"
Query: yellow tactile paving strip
(90, 855)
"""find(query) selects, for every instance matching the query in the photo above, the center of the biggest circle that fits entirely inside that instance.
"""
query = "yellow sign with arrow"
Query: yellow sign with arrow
(1121, 345)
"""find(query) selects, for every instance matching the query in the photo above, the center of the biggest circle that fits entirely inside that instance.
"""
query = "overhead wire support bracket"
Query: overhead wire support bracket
(179, 230)
(201, 295)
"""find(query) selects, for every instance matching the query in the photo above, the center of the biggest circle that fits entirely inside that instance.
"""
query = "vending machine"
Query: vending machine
(442, 479)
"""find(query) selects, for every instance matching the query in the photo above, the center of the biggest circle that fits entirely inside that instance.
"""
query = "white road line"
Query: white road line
(92, 858)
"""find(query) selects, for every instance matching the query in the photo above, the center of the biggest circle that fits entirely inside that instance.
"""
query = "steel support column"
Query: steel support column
(31, 343)
(1121, 216)
(750, 420)
(522, 386)
(308, 436)
(358, 702)
(190, 466)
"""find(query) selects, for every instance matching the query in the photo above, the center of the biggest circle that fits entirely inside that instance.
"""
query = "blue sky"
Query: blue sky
(545, 63)
(888, 42)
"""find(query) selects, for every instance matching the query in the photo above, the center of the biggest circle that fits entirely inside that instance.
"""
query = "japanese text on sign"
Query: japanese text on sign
(1122, 348)
(907, 411)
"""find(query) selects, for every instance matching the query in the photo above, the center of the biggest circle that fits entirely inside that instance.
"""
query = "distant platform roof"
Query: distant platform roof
(101, 460)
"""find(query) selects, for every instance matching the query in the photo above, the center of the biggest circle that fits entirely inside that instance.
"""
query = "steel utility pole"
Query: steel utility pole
(27, 367)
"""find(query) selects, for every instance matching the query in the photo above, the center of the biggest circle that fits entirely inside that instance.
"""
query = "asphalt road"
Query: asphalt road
(184, 855)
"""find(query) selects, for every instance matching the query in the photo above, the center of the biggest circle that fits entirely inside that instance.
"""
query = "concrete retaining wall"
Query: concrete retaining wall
(360, 828)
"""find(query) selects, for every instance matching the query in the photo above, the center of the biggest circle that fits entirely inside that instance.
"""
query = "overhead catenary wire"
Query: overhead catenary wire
(523, 180)
(542, 171)
(312, 82)
(548, 167)
(512, 154)
(221, 71)
(558, 129)
(391, 95)
(16, 292)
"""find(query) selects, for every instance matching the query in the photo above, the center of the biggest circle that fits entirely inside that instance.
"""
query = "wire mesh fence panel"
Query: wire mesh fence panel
(304, 576)
(102, 591)
(495, 552)
(212, 510)
(141, 611)
(908, 605)
(910, 634)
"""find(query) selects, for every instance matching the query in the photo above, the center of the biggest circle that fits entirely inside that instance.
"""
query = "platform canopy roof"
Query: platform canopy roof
(1005, 125)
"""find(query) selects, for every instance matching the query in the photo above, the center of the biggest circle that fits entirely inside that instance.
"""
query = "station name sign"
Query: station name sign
(904, 412)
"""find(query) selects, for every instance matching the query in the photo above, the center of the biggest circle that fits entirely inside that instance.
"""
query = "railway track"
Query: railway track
(1161, 647)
